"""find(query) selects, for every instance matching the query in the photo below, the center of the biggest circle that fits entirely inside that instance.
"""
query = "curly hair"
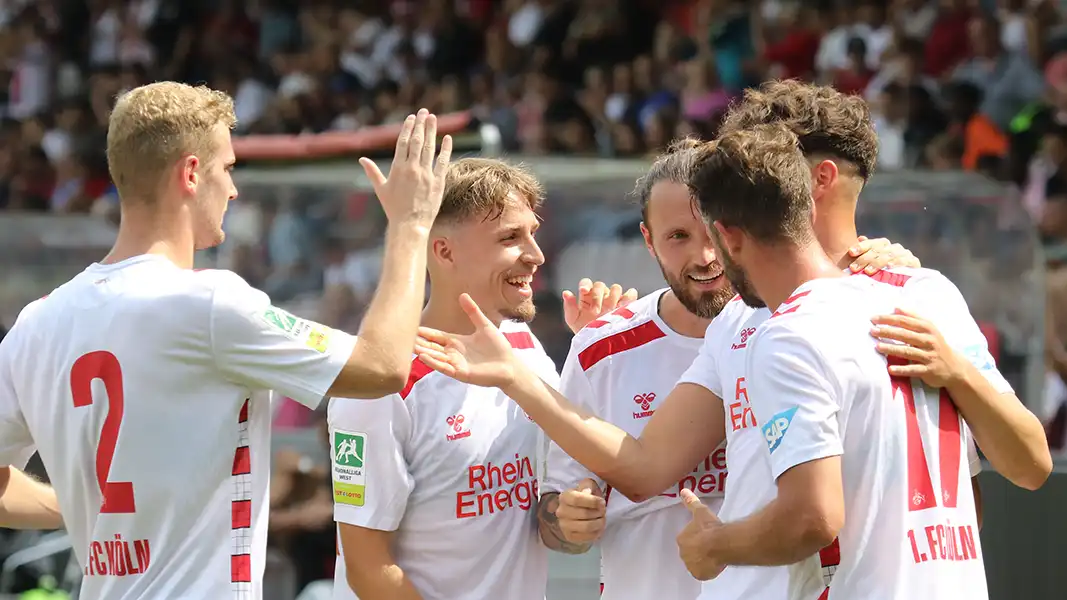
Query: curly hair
(825, 121)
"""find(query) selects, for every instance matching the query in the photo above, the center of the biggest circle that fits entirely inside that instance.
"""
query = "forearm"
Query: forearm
(26, 503)
(775, 535)
(611, 453)
(387, 333)
(1011, 437)
(548, 527)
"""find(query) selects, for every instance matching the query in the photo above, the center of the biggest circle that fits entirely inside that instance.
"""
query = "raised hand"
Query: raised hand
(593, 300)
(482, 358)
(415, 186)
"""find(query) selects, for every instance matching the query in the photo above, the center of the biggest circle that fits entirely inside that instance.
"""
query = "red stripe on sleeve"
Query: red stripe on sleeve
(241, 568)
(244, 412)
(242, 462)
(419, 370)
(520, 340)
(241, 514)
(620, 342)
(891, 278)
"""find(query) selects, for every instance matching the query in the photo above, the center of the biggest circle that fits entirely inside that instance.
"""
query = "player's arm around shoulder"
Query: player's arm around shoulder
(938, 341)
(371, 486)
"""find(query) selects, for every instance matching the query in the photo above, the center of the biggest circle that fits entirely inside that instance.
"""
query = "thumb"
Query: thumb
(374, 174)
(474, 313)
(698, 509)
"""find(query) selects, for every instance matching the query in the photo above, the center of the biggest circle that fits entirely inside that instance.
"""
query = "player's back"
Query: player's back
(116, 377)
(910, 526)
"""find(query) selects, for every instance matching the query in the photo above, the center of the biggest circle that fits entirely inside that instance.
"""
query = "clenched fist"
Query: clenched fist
(581, 513)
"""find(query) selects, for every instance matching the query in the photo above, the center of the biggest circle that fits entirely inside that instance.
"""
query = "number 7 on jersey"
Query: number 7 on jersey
(117, 495)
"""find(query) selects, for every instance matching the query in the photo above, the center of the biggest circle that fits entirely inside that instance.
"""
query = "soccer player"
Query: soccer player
(841, 146)
(140, 381)
(622, 366)
(845, 437)
(435, 487)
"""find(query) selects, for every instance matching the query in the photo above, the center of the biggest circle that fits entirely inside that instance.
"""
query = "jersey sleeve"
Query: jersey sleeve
(973, 460)
(794, 397)
(561, 471)
(704, 371)
(16, 443)
(265, 347)
(935, 297)
(371, 479)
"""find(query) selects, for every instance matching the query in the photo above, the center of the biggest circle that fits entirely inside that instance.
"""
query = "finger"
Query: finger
(418, 134)
(628, 297)
(440, 366)
(374, 174)
(581, 526)
(696, 508)
(404, 139)
(569, 512)
(474, 313)
(576, 499)
(908, 353)
(595, 300)
(430, 143)
(590, 487)
(429, 347)
(584, 285)
(908, 370)
(903, 321)
(434, 335)
(434, 354)
(613, 297)
(444, 158)
(905, 336)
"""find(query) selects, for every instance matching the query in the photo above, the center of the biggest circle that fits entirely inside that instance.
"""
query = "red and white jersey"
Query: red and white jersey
(620, 368)
(818, 388)
(454, 470)
(721, 368)
(142, 386)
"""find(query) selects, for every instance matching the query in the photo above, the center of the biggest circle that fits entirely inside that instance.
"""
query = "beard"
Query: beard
(706, 305)
(739, 279)
(523, 313)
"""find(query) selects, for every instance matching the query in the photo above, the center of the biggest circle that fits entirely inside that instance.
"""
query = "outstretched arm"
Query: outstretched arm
(26, 503)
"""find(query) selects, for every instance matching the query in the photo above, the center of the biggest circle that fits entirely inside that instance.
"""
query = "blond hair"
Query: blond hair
(154, 125)
(483, 187)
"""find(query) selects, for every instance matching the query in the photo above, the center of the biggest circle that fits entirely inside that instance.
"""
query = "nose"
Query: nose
(707, 254)
(533, 254)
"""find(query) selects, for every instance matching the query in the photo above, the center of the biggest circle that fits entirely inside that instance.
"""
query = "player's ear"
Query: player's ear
(729, 239)
(645, 233)
(441, 251)
(824, 176)
(188, 176)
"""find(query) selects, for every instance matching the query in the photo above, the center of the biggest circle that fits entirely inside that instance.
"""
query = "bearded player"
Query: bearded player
(435, 487)
(622, 366)
(142, 382)
(841, 146)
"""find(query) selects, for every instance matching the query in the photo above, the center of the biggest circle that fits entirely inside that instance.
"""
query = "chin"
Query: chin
(522, 313)
(216, 239)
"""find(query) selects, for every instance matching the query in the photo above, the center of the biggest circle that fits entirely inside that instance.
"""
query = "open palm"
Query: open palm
(482, 358)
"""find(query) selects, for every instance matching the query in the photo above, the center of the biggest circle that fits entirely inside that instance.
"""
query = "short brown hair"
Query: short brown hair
(757, 180)
(674, 165)
(825, 120)
(481, 187)
(154, 125)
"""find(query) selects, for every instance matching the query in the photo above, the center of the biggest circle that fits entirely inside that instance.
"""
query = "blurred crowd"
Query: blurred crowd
(973, 85)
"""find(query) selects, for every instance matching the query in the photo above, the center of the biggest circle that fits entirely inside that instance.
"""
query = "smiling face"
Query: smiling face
(494, 260)
(679, 241)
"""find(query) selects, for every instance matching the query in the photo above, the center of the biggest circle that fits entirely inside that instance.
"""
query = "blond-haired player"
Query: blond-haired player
(141, 381)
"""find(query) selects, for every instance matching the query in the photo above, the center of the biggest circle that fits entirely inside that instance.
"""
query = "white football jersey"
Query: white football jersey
(720, 367)
(142, 386)
(818, 389)
(620, 368)
(453, 469)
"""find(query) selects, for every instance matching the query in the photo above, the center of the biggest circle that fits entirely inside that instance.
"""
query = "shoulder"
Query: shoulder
(624, 329)
(729, 320)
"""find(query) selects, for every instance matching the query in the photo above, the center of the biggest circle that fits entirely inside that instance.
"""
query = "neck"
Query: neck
(678, 317)
(443, 312)
(835, 228)
(784, 268)
(143, 231)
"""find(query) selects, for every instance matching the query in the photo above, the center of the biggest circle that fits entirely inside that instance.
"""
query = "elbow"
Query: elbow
(638, 492)
(816, 530)
(1036, 474)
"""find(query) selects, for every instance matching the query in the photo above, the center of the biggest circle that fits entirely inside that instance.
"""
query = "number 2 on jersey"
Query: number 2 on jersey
(921, 494)
(102, 365)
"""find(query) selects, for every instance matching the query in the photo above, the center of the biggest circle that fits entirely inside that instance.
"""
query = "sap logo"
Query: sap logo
(776, 428)
(980, 357)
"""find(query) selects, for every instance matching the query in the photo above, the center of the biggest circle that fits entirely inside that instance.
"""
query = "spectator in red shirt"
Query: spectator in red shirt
(949, 42)
(795, 51)
(855, 78)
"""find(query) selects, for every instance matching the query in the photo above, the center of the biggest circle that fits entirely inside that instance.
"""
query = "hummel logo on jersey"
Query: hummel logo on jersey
(743, 338)
(776, 429)
(645, 402)
(456, 429)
